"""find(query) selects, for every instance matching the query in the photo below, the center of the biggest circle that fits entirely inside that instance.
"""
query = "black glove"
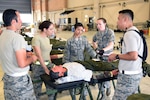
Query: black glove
(100, 52)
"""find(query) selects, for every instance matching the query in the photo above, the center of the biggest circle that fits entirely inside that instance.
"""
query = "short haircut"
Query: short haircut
(54, 75)
(127, 12)
(8, 16)
(103, 19)
(78, 25)
(45, 24)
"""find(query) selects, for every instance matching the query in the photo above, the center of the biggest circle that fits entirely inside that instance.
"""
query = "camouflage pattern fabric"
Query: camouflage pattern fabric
(74, 50)
(104, 38)
(126, 85)
(18, 88)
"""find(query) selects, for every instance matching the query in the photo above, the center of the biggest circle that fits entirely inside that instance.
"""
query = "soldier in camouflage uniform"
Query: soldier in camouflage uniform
(130, 65)
(103, 42)
(42, 47)
(15, 60)
(76, 46)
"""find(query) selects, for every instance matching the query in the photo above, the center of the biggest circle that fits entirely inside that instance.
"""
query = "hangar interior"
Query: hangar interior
(65, 13)
(68, 12)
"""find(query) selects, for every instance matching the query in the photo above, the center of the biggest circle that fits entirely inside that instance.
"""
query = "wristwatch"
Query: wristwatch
(117, 57)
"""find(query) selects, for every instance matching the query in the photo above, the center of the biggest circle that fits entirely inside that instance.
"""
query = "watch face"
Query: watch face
(117, 56)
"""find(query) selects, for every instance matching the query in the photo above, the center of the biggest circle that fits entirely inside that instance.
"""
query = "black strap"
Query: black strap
(140, 36)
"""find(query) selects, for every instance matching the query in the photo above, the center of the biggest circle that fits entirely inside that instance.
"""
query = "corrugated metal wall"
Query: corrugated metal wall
(24, 6)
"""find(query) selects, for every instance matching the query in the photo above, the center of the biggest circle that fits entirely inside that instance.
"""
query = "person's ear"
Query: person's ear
(126, 18)
(13, 21)
(44, 29)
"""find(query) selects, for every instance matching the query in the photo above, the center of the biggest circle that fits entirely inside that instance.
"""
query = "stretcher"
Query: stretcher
(92, 65)
(72, 85)
(66, 86)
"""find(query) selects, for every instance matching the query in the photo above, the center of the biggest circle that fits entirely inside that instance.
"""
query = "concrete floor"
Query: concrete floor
(144, 85)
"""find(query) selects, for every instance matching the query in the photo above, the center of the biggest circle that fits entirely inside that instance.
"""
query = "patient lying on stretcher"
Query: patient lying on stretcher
(74, 71)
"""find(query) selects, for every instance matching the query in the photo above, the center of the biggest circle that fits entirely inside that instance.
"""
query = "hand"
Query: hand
(95, 45)
(47, 71)
(112, 57)
(34, 58)
(100, 52)
(29, 54)
(115, 72)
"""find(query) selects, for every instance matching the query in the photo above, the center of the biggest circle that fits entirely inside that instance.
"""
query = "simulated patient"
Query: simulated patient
(73, 71)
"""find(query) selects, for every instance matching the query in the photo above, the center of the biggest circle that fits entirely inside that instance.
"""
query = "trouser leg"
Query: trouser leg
(101, 91)
(72, 93)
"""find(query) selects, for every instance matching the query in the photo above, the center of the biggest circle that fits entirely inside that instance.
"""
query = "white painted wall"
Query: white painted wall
(79, 3)
(140, 8)
(104, 8)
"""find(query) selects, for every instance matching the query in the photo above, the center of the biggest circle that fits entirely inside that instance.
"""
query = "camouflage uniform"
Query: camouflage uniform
(37, 69)
(18, 88)
(103, 39)
(125, 81)
(75, 49)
